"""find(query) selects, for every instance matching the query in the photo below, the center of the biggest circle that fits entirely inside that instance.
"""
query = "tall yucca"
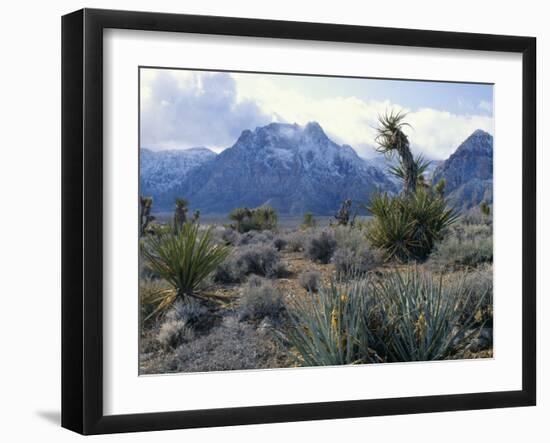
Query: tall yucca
(422, 166)
(180, 213)
(145, 217)
(184, 259)
(391, 139)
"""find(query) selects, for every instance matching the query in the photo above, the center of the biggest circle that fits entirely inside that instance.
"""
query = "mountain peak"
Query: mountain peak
(314, 127)
(290, 130)
(479, 133)
(479, 140)
(468, 172)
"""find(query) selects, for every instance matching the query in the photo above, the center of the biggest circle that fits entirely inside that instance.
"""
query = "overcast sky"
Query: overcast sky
(182, 109)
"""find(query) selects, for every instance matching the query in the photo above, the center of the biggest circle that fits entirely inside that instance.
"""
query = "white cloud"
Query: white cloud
(184, 109)
(485, 105)
(438, 133)
(181, 109)
(352, 120)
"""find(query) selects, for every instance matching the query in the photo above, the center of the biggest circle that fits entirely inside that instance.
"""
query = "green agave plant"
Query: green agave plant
(184, 259)
(328, 328)
(422, 319)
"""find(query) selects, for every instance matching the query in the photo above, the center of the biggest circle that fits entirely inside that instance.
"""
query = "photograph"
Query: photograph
(298, 220)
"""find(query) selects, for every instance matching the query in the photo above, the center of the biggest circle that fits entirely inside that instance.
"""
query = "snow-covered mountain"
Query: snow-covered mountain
(468, 172)
(289, 167)
(161, 172)
(297, 169)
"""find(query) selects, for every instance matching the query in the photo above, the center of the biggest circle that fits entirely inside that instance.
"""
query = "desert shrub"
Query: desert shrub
(260, 299)
(407, 226)
(255, 237)
(479, 284)
(261, 260)
(229, 236)
(295, 241)
(478, 216)
(229, 271)
(279, 242)
(349, 237)
(419, 318)
(330, 328)
(233, 345)
(309, 221)
(278, 270)
(173, 333)
(355, 261)
(463, 246)
(310, 280)
(192, 313)
(184, 259)
(321, 246)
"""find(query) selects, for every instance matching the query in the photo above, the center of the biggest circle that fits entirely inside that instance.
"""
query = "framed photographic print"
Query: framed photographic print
(269, 221)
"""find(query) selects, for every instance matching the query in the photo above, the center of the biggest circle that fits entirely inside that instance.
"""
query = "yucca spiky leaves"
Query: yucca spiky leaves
(184, 258)
(390, 140)
(421, 167)
(422, 319)
(328, 328)
(389, 133)
(406, 227)
(398, 317)
(238, 215)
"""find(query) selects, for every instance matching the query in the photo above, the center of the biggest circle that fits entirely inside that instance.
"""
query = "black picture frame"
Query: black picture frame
(82, 215)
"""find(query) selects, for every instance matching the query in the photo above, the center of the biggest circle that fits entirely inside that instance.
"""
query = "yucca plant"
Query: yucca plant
(422, 166)
(145, 217)
(329, 328)
(421, 318)
(431, 217)
(238, 215)
(407, 227)
(185, 259)
(391, 230)
(343, 216)
(266, 217)
(485, 208)
(309, 221)
(180, 213)
(391, 139)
